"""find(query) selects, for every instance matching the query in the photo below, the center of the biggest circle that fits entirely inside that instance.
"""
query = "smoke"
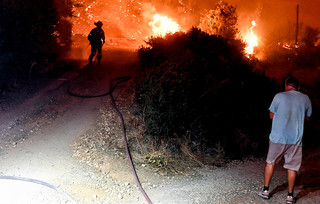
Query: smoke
(274, 11)
(130, 18)
(276, 17)
(276, 21)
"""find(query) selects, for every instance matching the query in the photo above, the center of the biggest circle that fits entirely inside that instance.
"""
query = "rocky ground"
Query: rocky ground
(76, 145)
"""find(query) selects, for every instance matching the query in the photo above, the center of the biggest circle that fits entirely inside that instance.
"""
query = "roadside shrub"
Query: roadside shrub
(199, 89)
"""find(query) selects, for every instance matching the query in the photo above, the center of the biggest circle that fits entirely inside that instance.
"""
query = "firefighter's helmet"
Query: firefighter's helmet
(99, 24)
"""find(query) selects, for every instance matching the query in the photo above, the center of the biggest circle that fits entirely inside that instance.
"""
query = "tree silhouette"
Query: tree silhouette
(32, 31)
(311, 36)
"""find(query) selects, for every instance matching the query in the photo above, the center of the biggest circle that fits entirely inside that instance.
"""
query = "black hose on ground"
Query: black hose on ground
(41, 183)
(126, 146)
(112, 88)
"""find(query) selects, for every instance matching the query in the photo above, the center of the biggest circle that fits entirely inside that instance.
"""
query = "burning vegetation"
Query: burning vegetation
(136, 21)
(129, 23)
(162, 25)
(251, 39)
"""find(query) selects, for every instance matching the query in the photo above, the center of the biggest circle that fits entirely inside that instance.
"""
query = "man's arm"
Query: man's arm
(103, 37)
(271, 115)
(309, 110)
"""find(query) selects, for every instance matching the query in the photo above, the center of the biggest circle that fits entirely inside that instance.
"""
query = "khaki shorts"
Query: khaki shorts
(292, 155)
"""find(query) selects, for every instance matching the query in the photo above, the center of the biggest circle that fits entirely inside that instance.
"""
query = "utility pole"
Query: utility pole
(297, 26)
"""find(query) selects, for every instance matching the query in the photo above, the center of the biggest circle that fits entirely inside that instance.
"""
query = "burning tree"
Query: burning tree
(221, 21)
(251, 40)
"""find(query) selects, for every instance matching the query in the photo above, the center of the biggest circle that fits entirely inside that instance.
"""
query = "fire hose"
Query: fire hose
(111, 89)
(41, 183)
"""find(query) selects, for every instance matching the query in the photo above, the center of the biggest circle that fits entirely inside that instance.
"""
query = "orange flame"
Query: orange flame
(162, 25)
(251, 39)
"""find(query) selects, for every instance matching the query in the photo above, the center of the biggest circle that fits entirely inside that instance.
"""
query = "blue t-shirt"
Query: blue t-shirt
(290, 109)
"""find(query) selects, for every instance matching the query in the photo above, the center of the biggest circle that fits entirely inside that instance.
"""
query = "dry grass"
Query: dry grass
(97, 146)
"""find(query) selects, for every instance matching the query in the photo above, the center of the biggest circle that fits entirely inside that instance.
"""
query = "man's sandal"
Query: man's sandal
(264, 194)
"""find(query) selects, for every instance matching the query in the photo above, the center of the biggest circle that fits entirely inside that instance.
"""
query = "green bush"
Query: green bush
(201, 88)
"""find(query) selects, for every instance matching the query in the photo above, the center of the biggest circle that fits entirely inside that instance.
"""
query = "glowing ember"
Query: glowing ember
(161, 25)
(251, 39)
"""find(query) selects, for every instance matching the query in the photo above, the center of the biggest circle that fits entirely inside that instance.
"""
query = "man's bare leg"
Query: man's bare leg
(292, 175)
(268, 173)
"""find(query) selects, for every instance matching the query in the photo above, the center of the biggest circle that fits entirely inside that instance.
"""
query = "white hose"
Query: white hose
(41, 183)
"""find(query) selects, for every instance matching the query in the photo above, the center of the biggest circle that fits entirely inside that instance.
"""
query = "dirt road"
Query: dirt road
(37, 139)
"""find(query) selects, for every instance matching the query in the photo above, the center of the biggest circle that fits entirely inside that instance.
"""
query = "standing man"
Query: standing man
(288, 112)
(97, 39)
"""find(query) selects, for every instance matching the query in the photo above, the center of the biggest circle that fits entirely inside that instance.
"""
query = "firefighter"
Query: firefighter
(97, 39)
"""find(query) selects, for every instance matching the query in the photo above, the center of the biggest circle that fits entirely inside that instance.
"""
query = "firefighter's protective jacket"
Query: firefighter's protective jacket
(96, 36)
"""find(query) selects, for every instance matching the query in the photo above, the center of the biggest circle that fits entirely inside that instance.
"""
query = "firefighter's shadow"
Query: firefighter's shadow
(308, 182)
